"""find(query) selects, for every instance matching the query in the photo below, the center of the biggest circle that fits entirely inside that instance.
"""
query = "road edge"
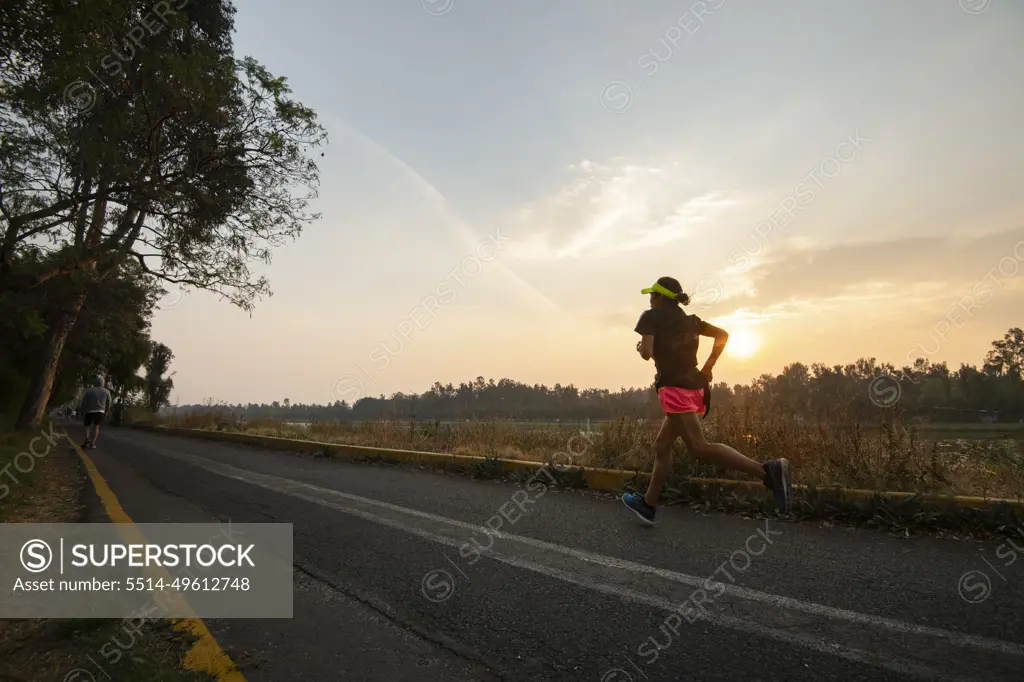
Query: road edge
(609, 480)
(206, 654)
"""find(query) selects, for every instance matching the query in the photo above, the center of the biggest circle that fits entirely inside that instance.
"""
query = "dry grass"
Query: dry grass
(51, 650)
(39, 489)
(886, 455)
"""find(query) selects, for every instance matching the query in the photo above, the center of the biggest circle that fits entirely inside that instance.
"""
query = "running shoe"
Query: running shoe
(636, 504)
(776, 479)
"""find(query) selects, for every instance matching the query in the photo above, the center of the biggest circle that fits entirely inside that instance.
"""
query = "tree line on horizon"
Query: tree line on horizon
(927, 391)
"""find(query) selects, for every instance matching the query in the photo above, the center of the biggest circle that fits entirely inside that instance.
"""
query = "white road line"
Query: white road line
(288, 487)
(815, 644)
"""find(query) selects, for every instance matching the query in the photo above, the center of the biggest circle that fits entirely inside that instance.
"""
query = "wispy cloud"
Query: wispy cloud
(909, 269)
(614, 207)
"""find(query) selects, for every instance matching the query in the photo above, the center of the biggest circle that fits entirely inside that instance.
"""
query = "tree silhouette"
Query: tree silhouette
(158, 387)
(1007, 355)
(927, 391)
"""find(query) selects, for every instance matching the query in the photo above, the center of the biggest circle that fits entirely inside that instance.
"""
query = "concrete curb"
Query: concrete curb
(610, 480)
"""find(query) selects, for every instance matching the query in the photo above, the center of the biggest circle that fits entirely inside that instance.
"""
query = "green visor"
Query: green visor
(658, 289)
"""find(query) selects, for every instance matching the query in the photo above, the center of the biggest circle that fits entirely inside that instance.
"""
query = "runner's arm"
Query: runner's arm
(646, 346)
(645, 327)
(721, 337)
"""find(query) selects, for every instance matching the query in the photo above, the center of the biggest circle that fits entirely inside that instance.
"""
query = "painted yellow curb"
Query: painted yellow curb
(612, 480)
(205, 655)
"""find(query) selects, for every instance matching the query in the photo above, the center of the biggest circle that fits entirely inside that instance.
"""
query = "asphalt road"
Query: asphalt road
(398, 578)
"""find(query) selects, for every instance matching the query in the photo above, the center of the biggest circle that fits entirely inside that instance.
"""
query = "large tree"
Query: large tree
(158, 386)
(110, 339)
(1007, 355)
(190, 162)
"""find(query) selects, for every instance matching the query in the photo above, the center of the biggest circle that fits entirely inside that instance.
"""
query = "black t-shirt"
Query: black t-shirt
(676, 338)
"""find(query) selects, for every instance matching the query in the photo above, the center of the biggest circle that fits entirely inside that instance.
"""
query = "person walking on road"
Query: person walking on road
(95, 405)
(671, 337)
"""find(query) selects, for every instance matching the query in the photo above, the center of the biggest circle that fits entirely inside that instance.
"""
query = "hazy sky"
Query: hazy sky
(829, 180)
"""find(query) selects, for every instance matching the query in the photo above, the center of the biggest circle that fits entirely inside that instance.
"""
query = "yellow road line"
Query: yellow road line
(205, 655)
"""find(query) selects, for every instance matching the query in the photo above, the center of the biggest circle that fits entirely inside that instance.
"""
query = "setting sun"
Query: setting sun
(742, 343)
